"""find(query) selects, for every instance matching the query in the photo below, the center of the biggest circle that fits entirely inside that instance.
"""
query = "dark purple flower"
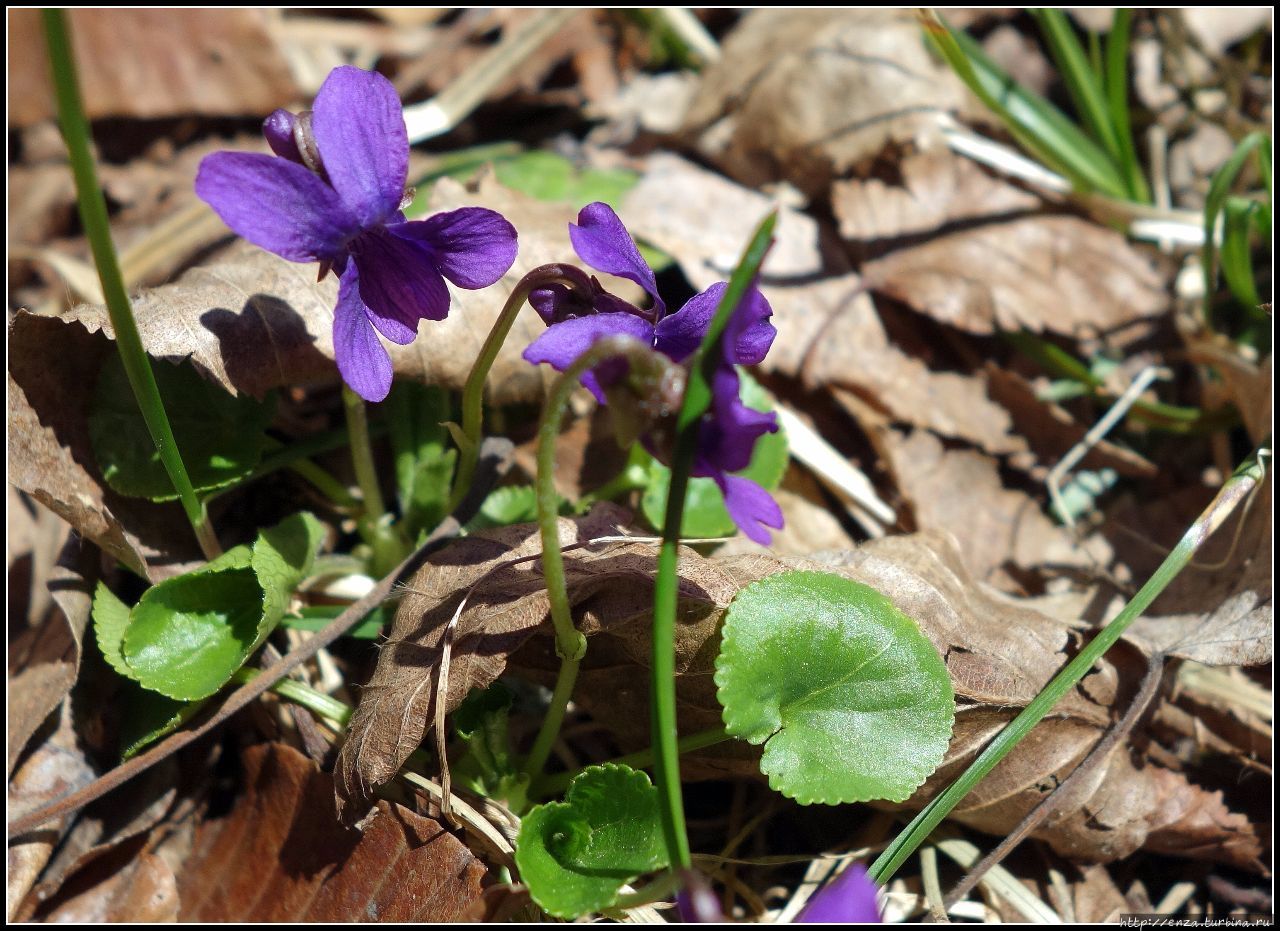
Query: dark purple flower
(333, 194)
(847, 899)
(730, 429)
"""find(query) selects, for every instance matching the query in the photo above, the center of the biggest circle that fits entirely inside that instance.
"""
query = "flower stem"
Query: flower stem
(571, 646)
(697, 399)
(473, 392)
(641, 759)
(375, 524)
(97, 230)
(1231, 494)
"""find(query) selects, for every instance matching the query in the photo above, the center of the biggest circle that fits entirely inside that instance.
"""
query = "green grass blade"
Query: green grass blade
(1116, 84)
(1041, 128)
(1214, 203)
(1082, 81)
(1237, 264)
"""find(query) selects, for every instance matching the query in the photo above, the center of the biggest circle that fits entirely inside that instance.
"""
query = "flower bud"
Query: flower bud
(643, 397)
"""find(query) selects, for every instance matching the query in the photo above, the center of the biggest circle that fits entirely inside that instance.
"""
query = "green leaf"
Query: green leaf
(221, 437)
(704, 511)
(282, 557)
(851, 701)
(488, 764)
(510, 504)
(189, 634)
(576, 855)
(150, 716)
(548, 176)
(110, 620)
(1238, 220)
(424, 461)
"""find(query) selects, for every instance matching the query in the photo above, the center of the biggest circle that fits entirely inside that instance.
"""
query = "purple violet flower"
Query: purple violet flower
(335, 193)
(847, 899)
(730, 429)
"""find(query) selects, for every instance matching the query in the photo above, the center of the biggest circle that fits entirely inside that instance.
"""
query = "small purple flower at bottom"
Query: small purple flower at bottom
(848, 899)
(334, 195)
(730, 429)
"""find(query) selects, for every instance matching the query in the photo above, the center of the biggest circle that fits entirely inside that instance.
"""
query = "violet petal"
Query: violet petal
(473, 247)
(359, 128)
(603, 242)
(276, 205)
(563, 342)
(751, 507)
(277, 129)
(849, 898)
(747, 338)
(399, 284)
(728, 437)
(362, 360)
(749, 334)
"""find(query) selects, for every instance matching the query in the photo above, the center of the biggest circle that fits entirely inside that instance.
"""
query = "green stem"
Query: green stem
(571, 646)
(375, 525)
(473, 392)
(97, 230)
(1236, 488)
(550, 727)
(326, 706)
(641, 759)
(325, 483)
(283, 456)
(697, 399)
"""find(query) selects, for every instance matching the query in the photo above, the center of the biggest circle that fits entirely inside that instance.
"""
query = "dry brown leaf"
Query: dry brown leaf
(1056, 273)
(282, 856)
(828, 330)
(961, 492)
(1219, 610)
(131, 885)
(1051, 431)
(55, 768)
(52, 368)
(806, 95)
(44, 660)
(937, 188)
(153, 63)
(103, 829)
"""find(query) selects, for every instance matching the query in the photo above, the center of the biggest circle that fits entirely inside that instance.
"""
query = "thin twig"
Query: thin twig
(494, 462)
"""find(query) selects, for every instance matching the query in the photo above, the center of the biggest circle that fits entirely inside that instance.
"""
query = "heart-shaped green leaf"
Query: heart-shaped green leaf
(851, 701)
(221, 436)
(704, 512)
(576, 855)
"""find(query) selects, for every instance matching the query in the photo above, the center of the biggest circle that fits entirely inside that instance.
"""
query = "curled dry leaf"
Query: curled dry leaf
(179, 62)
(52, 369)
(999, 654)
(282, 856)
(829, 332)
(806, 95)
